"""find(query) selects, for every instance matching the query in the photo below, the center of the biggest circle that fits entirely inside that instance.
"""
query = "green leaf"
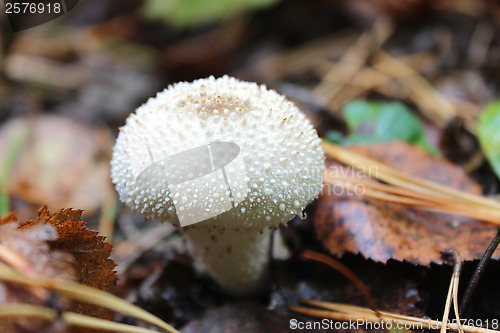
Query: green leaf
(396, 122)
(489, 134)
(184, 13)
(371, 122)
(358, 112)
(335, 137)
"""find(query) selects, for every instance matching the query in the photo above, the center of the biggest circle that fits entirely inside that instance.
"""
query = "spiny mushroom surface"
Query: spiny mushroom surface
(263, 165)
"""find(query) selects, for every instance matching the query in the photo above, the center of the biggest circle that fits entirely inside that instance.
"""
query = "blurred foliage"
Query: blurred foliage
(184, 13)
(371, 122)
(489, 134)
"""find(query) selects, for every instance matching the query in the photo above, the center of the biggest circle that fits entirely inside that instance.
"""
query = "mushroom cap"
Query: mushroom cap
(278, 161)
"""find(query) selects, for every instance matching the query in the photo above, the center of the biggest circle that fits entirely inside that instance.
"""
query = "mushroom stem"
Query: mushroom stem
(236, 258)
(225, 160)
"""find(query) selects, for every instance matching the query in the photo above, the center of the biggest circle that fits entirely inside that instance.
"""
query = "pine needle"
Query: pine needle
(70, 318)
(407, 189)
(86, 294)
(343, 312)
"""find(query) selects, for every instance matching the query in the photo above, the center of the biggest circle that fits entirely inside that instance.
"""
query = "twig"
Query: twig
(303, 57)
(432, 104)
(329, 261)
(471, 287)
(353, 60)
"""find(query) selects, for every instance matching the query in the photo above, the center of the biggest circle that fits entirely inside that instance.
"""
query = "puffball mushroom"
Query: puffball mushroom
(224, 160)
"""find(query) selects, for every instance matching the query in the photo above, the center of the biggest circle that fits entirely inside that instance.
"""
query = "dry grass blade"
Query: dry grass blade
(85, 294)
(17, 261)
(70, 318)
(401, 196)
(430, 194)
(343, 312)
(353, 309)
(27, 310)
(353, 60)
(8, 272)
(452, 291)
(398, 178)
(98, 297)
(304, 57)
(435, 107)
(79, 320)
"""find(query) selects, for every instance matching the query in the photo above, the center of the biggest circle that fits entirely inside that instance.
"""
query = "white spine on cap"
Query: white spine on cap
(228, 157)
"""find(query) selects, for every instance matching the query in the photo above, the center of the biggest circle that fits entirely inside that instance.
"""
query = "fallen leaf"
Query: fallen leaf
(61, 165)
(381, 230)
(34, 257)
(61, 247)
(90, 251)
(32, 245)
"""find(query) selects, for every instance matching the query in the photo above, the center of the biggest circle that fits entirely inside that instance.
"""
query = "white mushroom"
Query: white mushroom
(225, 160)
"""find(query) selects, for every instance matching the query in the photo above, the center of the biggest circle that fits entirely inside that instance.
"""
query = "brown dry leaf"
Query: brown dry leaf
(58, 246)
(62, 164)
(91, 252)
(381, 230)
(33, 256)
